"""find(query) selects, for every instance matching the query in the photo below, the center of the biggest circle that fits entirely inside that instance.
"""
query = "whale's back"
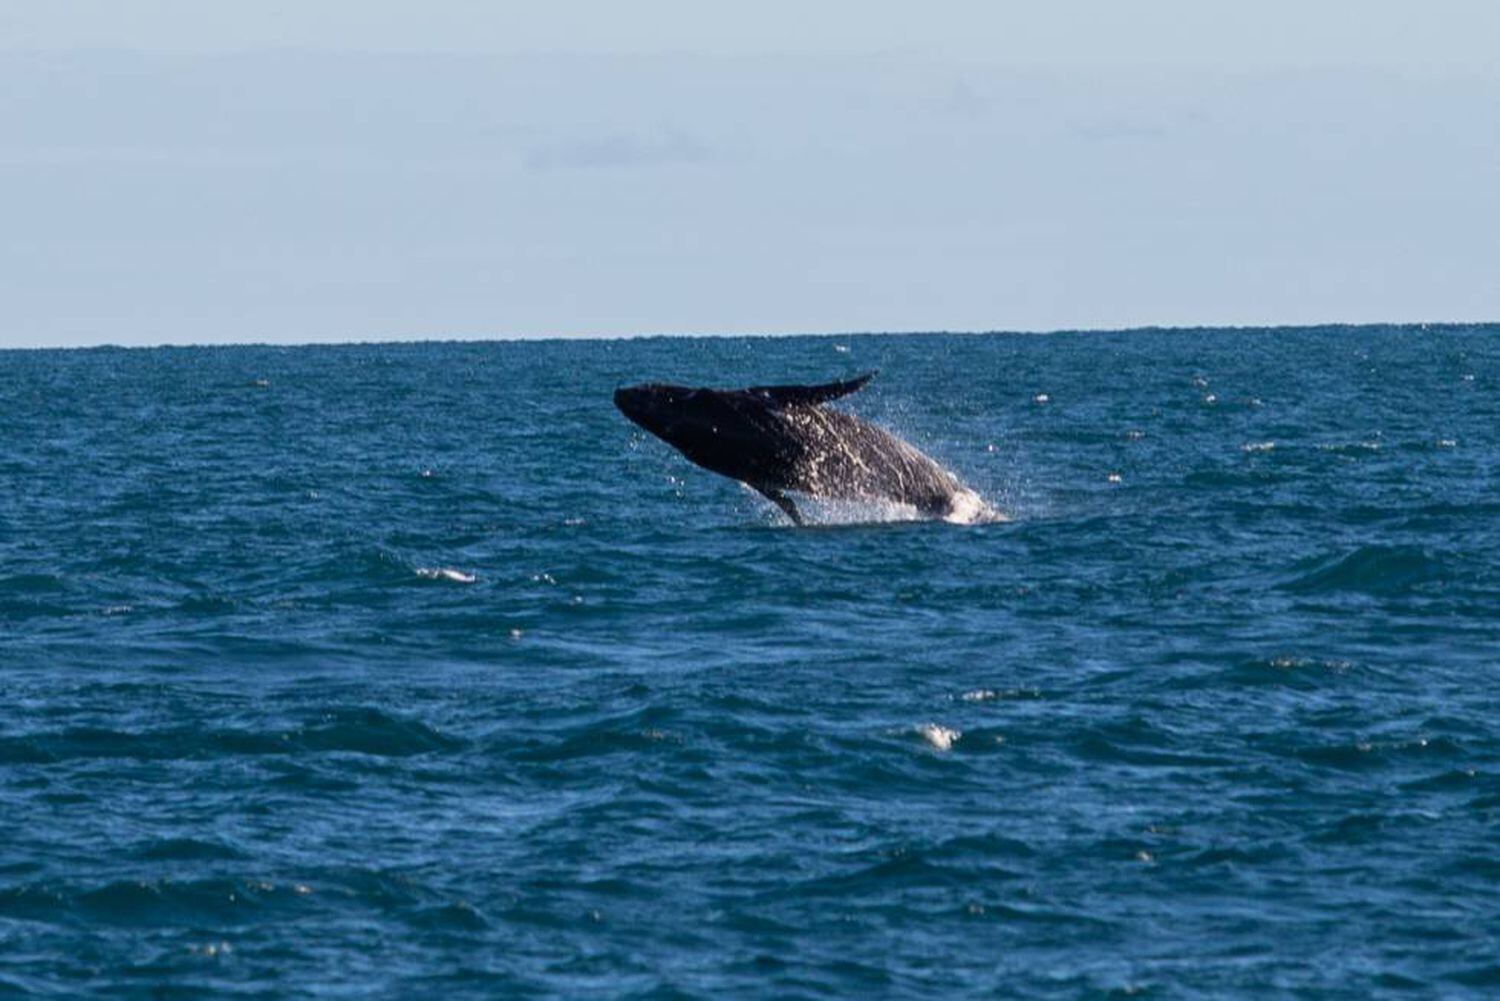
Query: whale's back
(846, 458)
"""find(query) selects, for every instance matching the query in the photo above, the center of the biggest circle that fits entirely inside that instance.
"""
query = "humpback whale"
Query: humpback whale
(777, 439)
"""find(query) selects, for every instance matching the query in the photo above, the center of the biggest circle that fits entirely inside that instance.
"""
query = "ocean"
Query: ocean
(418, 671)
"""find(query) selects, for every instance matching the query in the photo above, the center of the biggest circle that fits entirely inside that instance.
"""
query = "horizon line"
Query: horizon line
(774, 334)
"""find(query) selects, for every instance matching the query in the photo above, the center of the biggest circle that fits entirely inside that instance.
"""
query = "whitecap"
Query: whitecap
(992, 694)
(940, 737)
(211, 949)
(1257, 446)
(446, 573)
(971, 509)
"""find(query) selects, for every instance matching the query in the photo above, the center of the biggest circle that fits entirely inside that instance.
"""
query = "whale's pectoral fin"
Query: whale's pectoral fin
(782, 501)
(808, 396)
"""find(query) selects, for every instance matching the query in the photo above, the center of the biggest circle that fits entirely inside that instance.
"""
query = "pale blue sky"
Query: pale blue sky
(188, 172)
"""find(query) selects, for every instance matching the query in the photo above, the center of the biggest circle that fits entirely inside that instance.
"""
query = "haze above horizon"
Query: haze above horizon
(180, 173)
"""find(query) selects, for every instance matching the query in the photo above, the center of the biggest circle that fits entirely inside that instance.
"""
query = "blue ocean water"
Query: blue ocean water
(416, 671)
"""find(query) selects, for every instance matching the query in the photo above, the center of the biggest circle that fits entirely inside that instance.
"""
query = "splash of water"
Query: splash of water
(969, 508)
(846, 489)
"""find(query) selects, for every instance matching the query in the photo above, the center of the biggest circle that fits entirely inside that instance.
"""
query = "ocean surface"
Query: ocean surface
(418, 671)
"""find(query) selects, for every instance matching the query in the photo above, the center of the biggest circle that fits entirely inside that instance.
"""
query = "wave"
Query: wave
(228, 900)
(1378, 570)
(358, 731)
(141, 902)
(32, 583)
(186, 850)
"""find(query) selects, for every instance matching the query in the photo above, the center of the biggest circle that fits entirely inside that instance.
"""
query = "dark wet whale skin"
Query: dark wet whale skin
(779, 438)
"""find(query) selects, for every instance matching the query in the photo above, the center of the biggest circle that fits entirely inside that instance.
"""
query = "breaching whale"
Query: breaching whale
(781, 438)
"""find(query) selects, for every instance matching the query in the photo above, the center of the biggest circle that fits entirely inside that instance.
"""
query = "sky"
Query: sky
(352, 170)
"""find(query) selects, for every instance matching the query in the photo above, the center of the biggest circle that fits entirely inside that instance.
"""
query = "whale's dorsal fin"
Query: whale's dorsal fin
(809, 396)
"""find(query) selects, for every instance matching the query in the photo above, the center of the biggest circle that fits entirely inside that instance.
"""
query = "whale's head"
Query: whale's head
(756, 435)
(677, 414)
(722, 430)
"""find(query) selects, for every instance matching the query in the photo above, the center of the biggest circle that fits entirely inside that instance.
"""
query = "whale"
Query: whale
(784, 439)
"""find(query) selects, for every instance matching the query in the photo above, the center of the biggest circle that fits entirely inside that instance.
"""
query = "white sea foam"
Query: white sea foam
(991, 694)
(826, 511)
(446, 573)
(211, 949)
(1258, 446)
(940, 737)
(969, 508)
